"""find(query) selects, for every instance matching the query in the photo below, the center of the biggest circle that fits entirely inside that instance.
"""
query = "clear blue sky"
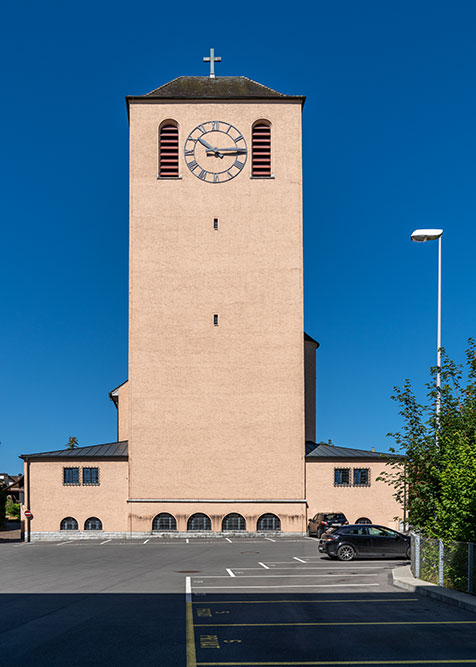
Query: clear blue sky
(389, 146)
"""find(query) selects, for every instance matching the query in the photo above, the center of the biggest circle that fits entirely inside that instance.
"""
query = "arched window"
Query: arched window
(268, 522)
(199, 522)
(363, 519)
(164, 521)
(261, 149)
(168, 149)
(69, 524)
(233, 522)
(93, 523)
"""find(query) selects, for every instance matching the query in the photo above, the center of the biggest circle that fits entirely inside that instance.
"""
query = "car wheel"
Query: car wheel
(345, 552)
(408, 553)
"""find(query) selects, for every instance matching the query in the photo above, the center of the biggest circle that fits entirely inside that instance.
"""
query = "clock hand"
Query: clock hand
(206, 144)
(228, 151)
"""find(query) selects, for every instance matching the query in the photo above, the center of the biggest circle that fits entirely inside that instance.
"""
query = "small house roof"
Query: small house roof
(321, 450)
(308, 339)
(109, 450)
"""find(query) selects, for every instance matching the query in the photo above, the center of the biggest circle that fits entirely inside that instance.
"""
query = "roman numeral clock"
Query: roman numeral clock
(215, 151)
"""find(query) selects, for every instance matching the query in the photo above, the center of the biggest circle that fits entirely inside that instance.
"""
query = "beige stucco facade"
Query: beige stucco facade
(51, 501)
(221, 391)
(374, 502)
(225, 401)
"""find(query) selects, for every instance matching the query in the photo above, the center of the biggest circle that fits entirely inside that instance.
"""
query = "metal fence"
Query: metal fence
(448, 564)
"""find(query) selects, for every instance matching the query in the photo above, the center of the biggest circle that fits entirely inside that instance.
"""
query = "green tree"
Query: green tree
(72, 442)
(437, 481)
(3, 501)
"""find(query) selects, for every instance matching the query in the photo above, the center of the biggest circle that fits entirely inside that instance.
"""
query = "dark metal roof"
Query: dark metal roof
(110, 450)
(310, 340)
(222, 87)
(321, 450)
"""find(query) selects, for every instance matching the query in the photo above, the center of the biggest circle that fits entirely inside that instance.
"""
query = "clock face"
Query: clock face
(215, 152)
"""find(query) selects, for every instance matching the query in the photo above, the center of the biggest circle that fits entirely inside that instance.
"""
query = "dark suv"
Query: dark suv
(325, 520)
(349, 542)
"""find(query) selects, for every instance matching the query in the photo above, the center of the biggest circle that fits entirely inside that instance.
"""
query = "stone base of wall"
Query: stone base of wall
(65, 535)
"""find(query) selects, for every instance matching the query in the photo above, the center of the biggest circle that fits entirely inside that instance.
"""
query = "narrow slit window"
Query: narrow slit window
(168, 150)
(215, 223)
(261, 149)
(215, 320)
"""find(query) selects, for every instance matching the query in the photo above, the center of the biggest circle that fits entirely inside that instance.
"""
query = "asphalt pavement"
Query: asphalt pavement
(195, 602)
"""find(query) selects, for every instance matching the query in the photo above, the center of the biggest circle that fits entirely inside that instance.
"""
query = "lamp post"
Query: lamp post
(421, 236)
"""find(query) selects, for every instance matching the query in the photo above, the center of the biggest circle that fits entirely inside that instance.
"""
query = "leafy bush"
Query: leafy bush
(12, 509)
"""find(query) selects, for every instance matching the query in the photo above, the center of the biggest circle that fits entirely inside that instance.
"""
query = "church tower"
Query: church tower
(216, 349)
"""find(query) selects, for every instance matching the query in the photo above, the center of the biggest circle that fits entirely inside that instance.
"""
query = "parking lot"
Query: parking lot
(224, 601)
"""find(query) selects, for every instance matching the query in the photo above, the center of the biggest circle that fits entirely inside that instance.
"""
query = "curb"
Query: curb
(403, 578)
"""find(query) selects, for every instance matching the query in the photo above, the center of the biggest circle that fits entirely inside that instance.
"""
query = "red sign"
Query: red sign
(28, 514)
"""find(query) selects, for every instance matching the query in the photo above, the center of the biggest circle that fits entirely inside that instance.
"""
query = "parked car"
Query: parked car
(360, 540)
(325, 520)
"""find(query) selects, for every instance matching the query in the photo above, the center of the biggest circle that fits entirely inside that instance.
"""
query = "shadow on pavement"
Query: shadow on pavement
(52, 630)
(11, 533)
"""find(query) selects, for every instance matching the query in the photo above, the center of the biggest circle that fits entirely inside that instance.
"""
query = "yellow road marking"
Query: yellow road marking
(344, 662)
(225, 602)
(268, 625)
(190, 633)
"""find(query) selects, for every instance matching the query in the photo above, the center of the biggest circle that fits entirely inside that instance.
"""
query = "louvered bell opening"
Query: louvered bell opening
(168, 151)
(261, 150)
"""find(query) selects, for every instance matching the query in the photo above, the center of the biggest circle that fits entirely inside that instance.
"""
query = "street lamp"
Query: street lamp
(421, 236)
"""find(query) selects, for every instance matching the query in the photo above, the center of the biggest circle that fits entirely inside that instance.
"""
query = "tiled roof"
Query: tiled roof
(110, 450)
(222, 87)
(320, 450)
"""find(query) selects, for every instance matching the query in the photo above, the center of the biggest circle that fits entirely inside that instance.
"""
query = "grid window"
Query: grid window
(341, 476)
(91, 476)
(268, 522)
(93, 523)
(233, 522)
(199, 522)
(164, 521)
(361, 477)
(69, 524)
(71, 476)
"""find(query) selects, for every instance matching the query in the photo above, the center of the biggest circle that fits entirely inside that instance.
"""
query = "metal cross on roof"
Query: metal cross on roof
(212, 60)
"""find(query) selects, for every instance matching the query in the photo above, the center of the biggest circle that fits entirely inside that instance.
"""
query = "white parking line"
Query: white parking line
(332, 567)
(292, 586)
(187, 540)
(228, 540)
(263, 565)
(230, 572)
(105, 541)
(281, 576)
(299, 559)
(270, 539)
(147, 541)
